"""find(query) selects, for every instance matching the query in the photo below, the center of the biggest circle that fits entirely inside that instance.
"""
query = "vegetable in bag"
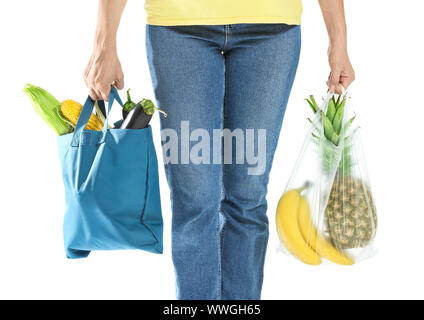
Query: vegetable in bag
(48, 107)
(128, 106)
(63, 117)
(71, 111)
(138, 116)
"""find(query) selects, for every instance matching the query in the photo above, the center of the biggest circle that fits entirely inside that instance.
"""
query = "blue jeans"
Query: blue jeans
(236, 77)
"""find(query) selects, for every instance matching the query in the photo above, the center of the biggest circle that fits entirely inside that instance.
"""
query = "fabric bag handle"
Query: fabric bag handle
(85, 115)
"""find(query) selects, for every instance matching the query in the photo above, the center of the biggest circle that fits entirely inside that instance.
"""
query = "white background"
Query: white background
(48, 43)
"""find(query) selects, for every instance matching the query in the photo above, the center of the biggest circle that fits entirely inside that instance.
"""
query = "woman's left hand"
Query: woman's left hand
(342, 73)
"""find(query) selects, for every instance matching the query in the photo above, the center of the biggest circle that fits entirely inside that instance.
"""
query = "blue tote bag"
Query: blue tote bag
(111, 188)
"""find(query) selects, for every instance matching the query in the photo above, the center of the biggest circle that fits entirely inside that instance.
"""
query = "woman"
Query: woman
(219, 64)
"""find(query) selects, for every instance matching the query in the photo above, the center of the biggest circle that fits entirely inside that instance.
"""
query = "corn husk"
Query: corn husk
(47, 107)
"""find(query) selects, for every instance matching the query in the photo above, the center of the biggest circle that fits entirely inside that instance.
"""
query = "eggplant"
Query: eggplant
(137, 118)
(128, 106)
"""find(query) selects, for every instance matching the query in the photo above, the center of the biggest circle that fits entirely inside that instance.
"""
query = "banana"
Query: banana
(288, 228)
(316, 241)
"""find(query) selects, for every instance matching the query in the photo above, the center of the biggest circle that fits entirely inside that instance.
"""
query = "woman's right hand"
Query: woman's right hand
(103, 70)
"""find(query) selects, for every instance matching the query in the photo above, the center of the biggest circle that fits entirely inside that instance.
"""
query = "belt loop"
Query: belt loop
(227, 36)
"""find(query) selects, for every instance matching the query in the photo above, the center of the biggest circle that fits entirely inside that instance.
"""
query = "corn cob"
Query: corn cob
(71, 111)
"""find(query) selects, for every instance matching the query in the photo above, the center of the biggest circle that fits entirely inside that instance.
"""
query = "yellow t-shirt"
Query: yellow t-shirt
(213, 12)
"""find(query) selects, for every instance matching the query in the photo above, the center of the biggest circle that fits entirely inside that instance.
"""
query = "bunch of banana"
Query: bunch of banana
(299, 235)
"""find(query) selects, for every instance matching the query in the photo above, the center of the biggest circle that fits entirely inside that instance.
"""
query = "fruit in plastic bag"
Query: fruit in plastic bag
(299, 235)
(327, 210)
(317, 241)
(288, 228)
(350, 212)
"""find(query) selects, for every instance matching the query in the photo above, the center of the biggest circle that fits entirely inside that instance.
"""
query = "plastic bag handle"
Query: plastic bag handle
(343, 91)
(85, 115)
(329, 96)
(326, 100)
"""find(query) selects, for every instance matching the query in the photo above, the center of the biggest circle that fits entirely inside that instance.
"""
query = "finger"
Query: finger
(87, 72)
(104, 91)
(88, 67)
(93, 94)
(119, 83)
(86, 82)
(346, 82)
(339, 89)
(334, 80)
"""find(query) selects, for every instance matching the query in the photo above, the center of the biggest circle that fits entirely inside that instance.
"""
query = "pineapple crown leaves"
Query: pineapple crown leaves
(334, 131)
(312, 103)
(333, 118)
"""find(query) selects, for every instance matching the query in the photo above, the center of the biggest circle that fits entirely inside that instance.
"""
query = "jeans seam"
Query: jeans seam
(220, 235)
(218, 294)
(221, 241)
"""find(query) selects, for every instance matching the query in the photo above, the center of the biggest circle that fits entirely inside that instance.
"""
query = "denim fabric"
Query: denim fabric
(221, 76)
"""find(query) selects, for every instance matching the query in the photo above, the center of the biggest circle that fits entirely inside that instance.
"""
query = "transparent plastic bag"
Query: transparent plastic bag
(327, 212)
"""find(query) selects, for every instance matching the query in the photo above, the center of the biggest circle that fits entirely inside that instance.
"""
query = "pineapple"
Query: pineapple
(350, 213)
